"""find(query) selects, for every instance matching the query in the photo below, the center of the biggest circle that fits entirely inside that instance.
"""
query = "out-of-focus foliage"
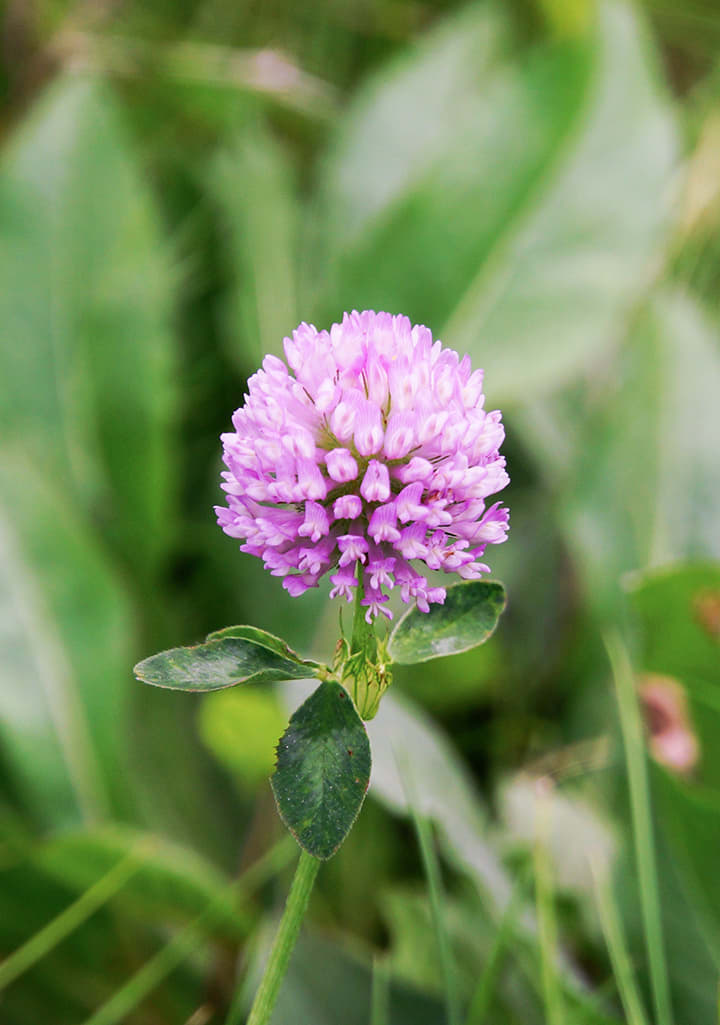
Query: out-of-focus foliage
(559, 157)
(259, 716)
(180, 183)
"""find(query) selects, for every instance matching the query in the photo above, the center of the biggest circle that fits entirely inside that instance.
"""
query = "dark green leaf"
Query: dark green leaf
(220, 663)
(323, 770)
(468, 617)
(257, 636)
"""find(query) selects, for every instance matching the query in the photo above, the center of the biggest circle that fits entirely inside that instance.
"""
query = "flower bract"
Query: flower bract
(367, 455)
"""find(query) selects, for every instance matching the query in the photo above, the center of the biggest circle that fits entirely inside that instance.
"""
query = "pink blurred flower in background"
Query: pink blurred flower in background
(672, 737)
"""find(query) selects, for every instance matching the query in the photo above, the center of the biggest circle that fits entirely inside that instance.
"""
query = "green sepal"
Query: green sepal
(363, 666)
(226, 661)
(467, 618)
(367, 681)
(323, 770)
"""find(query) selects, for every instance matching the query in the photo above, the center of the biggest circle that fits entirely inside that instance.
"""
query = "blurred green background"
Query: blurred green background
(181, 183)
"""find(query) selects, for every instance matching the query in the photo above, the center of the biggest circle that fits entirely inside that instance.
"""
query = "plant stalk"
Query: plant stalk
(287, 934)
(363, 638)
(636, 763)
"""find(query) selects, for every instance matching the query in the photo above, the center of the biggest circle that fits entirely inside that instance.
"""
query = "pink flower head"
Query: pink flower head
(372, 452)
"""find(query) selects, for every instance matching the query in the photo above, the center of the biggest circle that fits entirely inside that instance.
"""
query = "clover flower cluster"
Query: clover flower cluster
(372, 453)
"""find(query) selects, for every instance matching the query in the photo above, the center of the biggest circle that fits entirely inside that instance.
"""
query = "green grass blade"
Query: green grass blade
(152, 973)
(39, 945)
(241, 999)
(547, 922)
(124, 1001)
(617, 949)
(431, 867)
(380, 995)
(631, 727)
(485, 989)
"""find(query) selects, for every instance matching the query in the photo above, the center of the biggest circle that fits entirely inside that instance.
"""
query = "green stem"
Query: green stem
(380, 993)
(436, 896)
(635, 760)
(617, 948)
(547, 923)
(287, 934)
(484, 991)
(363, 633)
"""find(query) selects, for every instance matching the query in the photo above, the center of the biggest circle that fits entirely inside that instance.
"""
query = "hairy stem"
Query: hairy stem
(287, 934)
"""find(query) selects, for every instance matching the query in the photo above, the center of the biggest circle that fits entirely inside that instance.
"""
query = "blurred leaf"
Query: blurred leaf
(397, 129)
(678, 610)
(242, 728)
(171, 888)
(413, 951)
(85, 307)
(678, 615)
(469, 680)
(186, 942)
(691, 948)
(43, 942)
(690, 817)
(323, 770)
(650, 492)
(535, 817)
(66, 639)
(523, 227)
(172, 883)
(412, 755)
(253, 186)
(682, 349)
(222, 663)
(467, 618)
(413, 955)
(326, 985)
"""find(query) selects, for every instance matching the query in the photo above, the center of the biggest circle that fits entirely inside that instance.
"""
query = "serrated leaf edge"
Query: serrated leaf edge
(293, 832)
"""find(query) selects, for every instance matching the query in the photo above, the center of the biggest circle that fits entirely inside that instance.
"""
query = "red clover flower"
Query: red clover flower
(364, 456)
(373, 452)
